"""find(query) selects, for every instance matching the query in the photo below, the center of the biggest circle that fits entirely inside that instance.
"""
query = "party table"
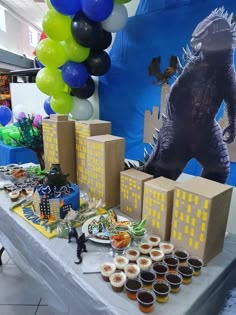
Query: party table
(51, 263)
(18, 155)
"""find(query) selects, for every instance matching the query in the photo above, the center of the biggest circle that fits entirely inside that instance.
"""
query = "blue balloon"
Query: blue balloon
(66, 7)
(74, 74)
(38, 63)
(47, 107)
(97, 10)
(5, 115)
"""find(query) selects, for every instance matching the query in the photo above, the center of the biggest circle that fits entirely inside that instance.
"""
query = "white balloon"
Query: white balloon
(18, 109)
(82, 109)
(117, 20)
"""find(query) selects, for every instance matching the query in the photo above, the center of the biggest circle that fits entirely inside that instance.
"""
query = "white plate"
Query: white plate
(94, 239)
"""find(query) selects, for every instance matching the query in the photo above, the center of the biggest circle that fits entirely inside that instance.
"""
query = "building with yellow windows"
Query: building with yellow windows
(105, 161)
(200, 214)
(84, 129)
(131, 192)
(158, 205)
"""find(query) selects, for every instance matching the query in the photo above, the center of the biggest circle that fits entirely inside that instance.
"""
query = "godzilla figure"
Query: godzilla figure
(189, 128)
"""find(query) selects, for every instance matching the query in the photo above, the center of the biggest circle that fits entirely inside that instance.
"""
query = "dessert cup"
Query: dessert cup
(117, 280)
(120, 262)
(144, 263)
(186, 273)
(154, 240)
(171, 261)
(147, 278)
(161, 289)
(196, 263)
(132, 286)
(132, 254)
(107, 269)
(166, 247)
(160, 269)
(182, 255)
(132, 271)
(156, 255)
(145, 248)
(146, 299)
(174, 279)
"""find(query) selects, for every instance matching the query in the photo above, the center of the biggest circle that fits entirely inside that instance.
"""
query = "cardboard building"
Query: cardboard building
(59, 144)
(158, 206)
(84, 129)
(105, 161)
(200, 215)
(131, 192)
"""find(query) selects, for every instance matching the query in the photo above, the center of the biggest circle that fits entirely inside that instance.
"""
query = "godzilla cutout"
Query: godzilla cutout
(189, 129)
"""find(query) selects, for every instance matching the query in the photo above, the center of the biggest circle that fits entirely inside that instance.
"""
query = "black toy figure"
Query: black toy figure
(81, 247)
(72, 233)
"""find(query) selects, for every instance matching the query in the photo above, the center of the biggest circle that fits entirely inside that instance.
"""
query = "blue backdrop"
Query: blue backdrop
(159, 28)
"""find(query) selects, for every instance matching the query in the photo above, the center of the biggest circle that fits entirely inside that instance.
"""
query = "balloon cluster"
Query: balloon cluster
(78, 33)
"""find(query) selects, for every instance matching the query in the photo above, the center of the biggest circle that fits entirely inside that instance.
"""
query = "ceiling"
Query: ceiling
(30, 11)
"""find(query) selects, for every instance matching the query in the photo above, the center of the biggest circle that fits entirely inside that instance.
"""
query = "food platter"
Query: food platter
(85, 228)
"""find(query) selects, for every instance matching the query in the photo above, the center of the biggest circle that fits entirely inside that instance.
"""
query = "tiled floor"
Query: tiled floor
(19, 295)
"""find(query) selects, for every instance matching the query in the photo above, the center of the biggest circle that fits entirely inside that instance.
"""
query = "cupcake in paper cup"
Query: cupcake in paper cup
(107, 269)
(117, 280)
(132, 271)
(120, 262)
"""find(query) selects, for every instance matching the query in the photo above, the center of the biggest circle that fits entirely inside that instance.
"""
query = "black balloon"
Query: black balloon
(103, 41)
(84, 91)
(98, 63)
(85, 31)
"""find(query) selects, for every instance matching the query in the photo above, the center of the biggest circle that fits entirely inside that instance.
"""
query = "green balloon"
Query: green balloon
(51, 53)
(122, 1)
(48, 3)
(50, 81)
(57, 26)
(76, 52)
(62, 103)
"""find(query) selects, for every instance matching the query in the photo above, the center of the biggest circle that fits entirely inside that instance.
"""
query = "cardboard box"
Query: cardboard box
(158, 206)
(131, 192)
(59, 144)
(84, 129)
(105, 161)
(200, 215)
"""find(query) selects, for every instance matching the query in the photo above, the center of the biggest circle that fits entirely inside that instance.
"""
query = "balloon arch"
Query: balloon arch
(77, 34)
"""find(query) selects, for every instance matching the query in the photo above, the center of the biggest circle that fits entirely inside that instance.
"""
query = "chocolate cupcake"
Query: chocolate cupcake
(156, 255)
(132, 271)
(145, 248)
(144, 263)
(132, 254)
(154, 240)
(120, 262)
(107, 269)
(117, 280)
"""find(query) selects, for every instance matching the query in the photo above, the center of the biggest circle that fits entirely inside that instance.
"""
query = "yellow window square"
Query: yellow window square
(176, 213)
(181, 217)
(153, 222)
(162, 207)
(158, 224)
(179, 236)
(205, 216)
(175, 224)
(174, 234)
(199, 213)
(158, 215)
(202, 237)
(203, 227)
(193, 222)
(196, 245)
(206, 204)
(158, 196)
(189, 208)
(192, 232)
(187, 219)
(186, 229)
(184, 195)
(196, 200)
(190, 242)
(176, 203)
(154, 213)
(190, 197)
(162, 197)
(177, 193)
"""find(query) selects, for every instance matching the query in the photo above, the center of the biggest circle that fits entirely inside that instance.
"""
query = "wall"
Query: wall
(16, 39)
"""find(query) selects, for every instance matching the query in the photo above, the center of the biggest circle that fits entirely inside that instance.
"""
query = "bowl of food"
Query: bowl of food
(120, 240)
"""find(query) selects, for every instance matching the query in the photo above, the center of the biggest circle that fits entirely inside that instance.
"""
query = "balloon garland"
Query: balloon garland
(77, 34)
